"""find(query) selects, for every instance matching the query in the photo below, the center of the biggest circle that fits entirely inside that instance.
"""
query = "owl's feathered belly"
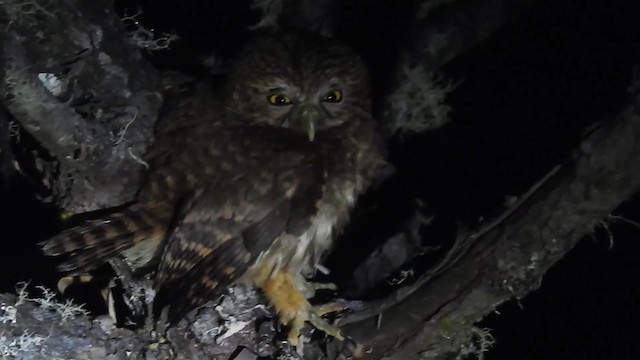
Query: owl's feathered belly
(300, 255)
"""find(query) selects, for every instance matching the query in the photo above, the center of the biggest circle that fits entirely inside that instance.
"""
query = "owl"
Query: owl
(254, 193)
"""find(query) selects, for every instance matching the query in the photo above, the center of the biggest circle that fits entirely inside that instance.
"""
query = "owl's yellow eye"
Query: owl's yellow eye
(334, 96)
(278, 99)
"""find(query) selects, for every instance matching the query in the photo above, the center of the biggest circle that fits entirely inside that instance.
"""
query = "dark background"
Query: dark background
(525, 98)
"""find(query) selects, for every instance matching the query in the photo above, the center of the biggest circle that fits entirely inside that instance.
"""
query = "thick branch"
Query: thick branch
(511, 258)
(83, 91)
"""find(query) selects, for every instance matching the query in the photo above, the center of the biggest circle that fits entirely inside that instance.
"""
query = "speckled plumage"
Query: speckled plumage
(257, 193)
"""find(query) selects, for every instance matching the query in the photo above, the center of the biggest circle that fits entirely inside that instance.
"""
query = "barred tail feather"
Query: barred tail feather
(89, 245)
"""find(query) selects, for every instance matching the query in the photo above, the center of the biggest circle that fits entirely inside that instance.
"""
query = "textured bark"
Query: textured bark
(75, 82)
(507, 258)
(31, 329)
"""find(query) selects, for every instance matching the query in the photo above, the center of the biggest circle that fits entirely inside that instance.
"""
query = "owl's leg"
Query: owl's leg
(133, 290)
(66, 281)
(319, 323)
(286, 294)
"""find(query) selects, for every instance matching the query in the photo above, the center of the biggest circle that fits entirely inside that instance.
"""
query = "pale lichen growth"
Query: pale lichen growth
(418, 104)
(270, 9)
(67, 310)
(52, 83)
(123, 131)
(21, 291)
(47, 302)
(146, 38)
(231, 326)
(8, 314)
(20, 347)
(480, 343)
(26, 11)
(459, 337)
(18, 85)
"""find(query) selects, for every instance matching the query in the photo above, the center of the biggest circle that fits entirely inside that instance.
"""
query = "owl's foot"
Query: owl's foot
(314, 317)
(315, 286)
(283, 291)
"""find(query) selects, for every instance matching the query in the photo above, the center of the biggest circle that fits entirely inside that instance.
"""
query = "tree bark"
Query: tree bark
(507, 259)
(76, 83)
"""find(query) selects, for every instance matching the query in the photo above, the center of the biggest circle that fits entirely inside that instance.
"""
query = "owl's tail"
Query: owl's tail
(89, 245)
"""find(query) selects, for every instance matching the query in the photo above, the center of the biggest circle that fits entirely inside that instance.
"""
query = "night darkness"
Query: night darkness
(525, 96)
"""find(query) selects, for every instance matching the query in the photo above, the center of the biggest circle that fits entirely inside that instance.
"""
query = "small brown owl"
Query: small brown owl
(257, 193)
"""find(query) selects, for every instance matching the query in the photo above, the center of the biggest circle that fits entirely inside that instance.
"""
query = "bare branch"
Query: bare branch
(510, 257)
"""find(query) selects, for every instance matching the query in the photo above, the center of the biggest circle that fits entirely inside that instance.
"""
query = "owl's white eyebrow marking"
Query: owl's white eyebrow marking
(278, 89)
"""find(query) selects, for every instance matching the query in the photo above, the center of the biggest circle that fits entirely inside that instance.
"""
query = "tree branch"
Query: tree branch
(75, 82)
(510, 259)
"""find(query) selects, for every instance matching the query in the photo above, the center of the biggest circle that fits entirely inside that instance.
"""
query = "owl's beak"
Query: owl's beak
(311, 130)
(309, 115)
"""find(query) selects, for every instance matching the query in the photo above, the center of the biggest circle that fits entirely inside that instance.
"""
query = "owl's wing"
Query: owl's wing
(226, 227)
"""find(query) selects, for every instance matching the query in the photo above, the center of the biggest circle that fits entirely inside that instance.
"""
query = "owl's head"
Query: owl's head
(299, 81)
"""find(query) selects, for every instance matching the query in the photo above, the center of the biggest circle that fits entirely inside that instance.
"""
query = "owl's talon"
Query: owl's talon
(315, 319)
(284, 292)
(294, 333)
(161, 324)
(322, 286)
(327, 308)
(321, 324)
(352, 349)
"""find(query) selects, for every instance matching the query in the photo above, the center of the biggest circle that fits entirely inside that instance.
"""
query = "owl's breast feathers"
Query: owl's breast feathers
(262, 199)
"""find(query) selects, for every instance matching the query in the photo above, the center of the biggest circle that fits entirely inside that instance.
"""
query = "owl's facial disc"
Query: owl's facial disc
(302, 116)
(305, 109)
